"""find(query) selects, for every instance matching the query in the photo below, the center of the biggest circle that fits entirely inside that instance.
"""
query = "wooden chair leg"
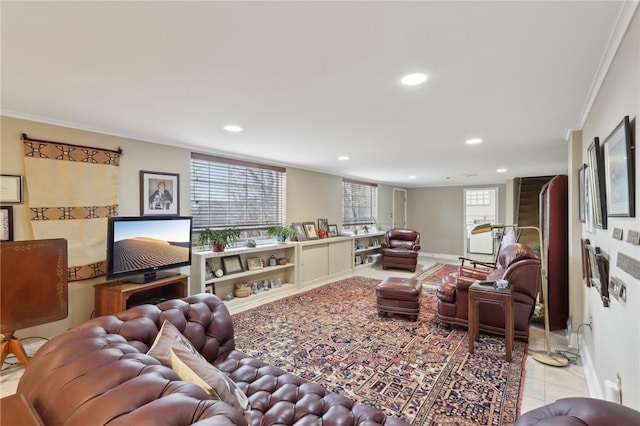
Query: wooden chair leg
(12, 345)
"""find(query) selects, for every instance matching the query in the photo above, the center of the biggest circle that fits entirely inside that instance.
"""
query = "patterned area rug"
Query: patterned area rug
(434, 274)
(418, 371)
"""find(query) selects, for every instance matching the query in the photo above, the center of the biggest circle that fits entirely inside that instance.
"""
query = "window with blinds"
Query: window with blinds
(228, 193)
(359, 203)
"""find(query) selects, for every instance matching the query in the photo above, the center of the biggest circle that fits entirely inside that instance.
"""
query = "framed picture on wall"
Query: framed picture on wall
(598, 190)
(11, 189)
(159, 193)
(6, 223)
(619, 168)
(581, 193)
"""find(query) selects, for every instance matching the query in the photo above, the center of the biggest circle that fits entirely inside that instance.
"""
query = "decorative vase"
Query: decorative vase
(217, 247)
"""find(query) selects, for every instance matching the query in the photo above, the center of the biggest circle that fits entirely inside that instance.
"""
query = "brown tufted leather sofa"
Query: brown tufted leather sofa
(517, 264)
(400, 249)
(580, 411)
(98, 373)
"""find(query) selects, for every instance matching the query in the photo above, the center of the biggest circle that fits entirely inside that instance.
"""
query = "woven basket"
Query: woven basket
(242, 292)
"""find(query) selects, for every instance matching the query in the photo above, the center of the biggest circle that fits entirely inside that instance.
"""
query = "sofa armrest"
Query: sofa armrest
(463, 283)
(17, 410)
(580, 411)
(446, 293)
(472, 273)
(416, 247)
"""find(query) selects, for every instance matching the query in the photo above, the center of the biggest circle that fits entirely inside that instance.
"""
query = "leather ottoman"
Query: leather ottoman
(399, 296)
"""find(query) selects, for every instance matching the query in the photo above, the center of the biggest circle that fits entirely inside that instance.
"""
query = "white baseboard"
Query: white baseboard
(593, 384)
(439, 256)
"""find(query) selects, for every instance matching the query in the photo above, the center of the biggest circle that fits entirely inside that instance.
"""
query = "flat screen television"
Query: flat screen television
(138, 248)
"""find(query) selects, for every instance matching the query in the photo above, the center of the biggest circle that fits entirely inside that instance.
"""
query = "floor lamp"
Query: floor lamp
(545, 357)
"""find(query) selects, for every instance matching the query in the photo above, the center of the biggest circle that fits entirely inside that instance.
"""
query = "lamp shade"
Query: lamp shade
(482, 228)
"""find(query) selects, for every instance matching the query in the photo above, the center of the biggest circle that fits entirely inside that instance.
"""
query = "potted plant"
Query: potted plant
(218, 238)
(281, 233)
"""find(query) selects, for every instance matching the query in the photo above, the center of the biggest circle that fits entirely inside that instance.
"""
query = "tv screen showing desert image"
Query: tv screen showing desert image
(145, 245)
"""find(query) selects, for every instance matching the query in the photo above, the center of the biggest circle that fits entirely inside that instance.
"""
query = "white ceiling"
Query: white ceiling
(309, 81)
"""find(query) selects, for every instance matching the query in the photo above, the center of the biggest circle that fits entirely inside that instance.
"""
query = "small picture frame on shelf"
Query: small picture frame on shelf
(210, 268)
(209, 289)
(358, 259)
(254, 263)
(302, 236)
(333, 230)
(310, 230)
(323, 224)
(232, 264)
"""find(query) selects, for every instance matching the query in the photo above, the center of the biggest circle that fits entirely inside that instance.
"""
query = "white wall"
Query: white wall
(438, 214)
(613, 344)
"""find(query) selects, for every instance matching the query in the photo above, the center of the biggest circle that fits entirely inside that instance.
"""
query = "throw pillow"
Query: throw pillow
(197, 370)
(170, 337)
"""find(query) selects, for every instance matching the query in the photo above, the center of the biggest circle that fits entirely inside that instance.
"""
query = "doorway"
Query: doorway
(480, 206)
(399, 214)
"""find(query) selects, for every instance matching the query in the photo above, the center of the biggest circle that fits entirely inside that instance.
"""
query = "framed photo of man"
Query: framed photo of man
(159, 193)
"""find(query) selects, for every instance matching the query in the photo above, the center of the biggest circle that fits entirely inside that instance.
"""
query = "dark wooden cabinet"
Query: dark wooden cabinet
(116, 296)
(554, 223)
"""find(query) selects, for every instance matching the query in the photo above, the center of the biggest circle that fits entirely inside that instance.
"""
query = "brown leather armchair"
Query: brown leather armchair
(517, 264)
(400, 249)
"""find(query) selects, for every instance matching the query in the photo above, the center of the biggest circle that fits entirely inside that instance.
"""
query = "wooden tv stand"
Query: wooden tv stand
(116, 296)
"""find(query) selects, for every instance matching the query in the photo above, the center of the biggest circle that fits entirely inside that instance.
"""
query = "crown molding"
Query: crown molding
(627, 11)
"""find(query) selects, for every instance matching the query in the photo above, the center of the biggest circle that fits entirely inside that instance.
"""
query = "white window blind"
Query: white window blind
(228, 193)
(359, 203)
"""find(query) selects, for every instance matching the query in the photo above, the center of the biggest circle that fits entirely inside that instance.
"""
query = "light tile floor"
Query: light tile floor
(542, 384)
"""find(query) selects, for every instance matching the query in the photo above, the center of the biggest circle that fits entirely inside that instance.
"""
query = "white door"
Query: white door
(481, 206)
(399, 208)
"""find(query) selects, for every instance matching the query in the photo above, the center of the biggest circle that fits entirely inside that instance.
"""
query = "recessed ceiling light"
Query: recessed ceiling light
(473, 141)
(232, 128)
(501, 170)
(343, 158)
(413, 79)
(412, 176)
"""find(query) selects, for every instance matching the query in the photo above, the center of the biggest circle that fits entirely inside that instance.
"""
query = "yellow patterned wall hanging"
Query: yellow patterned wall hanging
(73, 190)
